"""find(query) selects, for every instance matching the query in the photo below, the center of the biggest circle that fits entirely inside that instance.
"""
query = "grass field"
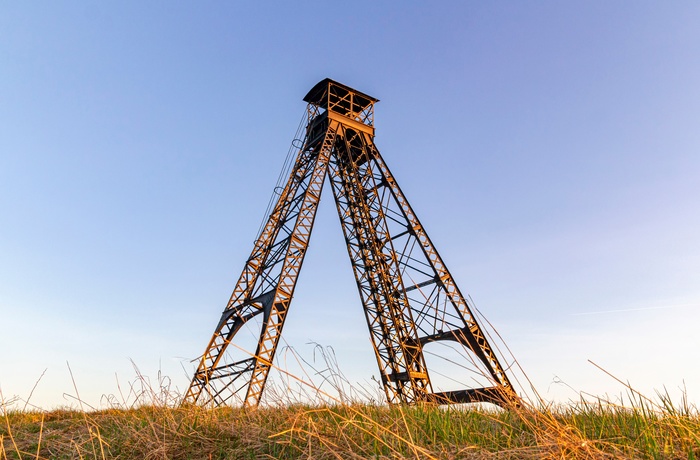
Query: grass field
(644, 428)
(149, 423)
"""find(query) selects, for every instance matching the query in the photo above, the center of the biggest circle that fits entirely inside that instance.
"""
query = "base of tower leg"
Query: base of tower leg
(499, 396)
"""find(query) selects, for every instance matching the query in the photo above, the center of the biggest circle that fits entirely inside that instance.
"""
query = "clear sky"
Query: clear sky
(551, 149)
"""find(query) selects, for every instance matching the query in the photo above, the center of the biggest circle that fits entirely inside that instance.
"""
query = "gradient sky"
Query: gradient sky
(551, 149)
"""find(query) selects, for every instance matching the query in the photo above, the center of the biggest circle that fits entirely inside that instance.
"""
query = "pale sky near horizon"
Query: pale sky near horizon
(552, 151)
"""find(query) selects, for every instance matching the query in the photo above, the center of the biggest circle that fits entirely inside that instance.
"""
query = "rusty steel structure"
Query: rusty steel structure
(410, 299)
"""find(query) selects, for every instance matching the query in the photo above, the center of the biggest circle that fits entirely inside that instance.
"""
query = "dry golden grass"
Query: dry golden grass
(646, 429)
(149, 423)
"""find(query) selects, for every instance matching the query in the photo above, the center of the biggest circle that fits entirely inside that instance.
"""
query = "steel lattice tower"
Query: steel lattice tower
(409, 297)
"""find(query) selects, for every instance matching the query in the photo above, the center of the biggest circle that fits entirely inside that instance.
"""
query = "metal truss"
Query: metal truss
(409, 297)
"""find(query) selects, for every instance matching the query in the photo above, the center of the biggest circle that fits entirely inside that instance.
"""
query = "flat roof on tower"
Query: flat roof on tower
(316, 94)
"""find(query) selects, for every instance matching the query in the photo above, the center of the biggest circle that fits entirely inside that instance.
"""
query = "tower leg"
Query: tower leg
(296, 250)
(265, 288)
(409, 297)
(458, 322)
(375, 264)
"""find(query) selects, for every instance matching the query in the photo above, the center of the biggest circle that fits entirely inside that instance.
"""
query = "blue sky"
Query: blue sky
(551, 150)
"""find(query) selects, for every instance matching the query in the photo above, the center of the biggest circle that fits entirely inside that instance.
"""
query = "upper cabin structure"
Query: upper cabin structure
(343, 104)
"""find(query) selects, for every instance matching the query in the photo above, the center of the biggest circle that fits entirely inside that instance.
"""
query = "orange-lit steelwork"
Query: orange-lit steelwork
(409, 297)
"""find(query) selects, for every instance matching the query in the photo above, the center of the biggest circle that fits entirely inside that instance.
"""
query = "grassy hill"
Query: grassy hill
(646, 429)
